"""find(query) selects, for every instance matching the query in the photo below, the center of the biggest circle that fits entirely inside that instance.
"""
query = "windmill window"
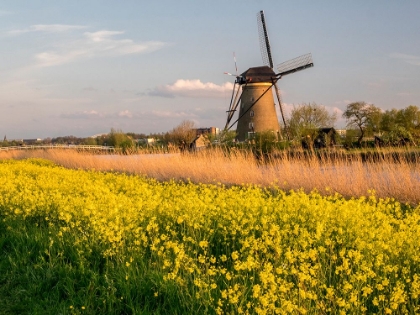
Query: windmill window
(251, 113)
(251, 125)
(252, 99)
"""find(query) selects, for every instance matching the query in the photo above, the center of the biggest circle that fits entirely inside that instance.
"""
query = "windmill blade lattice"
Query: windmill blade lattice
(295, 64)
(234, 102)
(268, 60)
(264, 41)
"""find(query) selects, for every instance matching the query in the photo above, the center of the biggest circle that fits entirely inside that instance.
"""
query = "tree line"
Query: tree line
(178, 138)
(363, 120)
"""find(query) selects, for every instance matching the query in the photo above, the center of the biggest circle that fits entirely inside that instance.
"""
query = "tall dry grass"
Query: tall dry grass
(350, 177)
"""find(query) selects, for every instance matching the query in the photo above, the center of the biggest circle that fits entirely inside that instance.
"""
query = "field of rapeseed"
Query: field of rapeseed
(86, 242)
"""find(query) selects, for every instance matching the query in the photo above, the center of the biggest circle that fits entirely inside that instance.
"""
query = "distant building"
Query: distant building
(31, 141)
(201, 140)
(148, 141)
(210, 130)
(199, 143)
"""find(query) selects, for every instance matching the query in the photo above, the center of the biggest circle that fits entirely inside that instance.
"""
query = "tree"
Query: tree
(398, 137)
(120, 140)
(136, 136)
(409, 118)
(306, 119)
(394, 121)
(389, 120)
(227, 137)
(89, 141)
(4, 143)
(363, 116)
(182, 135)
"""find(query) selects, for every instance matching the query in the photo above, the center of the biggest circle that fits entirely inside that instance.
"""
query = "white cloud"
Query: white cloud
(334, 109)
(51, 58)
(104, 41)
(101, 36)
(54, 28)
(87, 114)
(125, 113)
(193, 88)
(92, 44)
(411, 59)
(50, 28)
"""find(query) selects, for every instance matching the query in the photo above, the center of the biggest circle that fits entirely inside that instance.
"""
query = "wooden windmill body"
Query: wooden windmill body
(260, 116)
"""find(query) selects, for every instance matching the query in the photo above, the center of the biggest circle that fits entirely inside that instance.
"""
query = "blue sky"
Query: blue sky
(83, 67)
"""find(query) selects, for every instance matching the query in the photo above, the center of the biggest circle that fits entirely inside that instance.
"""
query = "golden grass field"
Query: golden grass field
(350, 177)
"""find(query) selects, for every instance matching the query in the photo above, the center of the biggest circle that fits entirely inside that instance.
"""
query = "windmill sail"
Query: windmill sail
(234, 102)
(294, 65)
(268, 60)
(264, 41)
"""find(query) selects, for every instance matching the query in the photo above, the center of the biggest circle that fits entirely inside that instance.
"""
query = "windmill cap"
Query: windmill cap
(259, 74)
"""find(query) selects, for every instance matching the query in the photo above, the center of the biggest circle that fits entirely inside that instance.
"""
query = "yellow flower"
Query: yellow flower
(235, 255)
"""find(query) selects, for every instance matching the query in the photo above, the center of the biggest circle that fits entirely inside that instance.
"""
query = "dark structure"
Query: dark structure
(323, 138)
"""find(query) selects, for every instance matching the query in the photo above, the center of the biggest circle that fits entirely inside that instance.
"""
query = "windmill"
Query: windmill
(253, 90)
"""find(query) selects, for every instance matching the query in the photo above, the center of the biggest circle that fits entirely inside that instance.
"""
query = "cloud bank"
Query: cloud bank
(82, 45)
(93, 44)
(87, 114)
(50, 28)
(193, 88)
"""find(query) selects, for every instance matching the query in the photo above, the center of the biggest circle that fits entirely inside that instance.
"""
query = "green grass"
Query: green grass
(37, 278)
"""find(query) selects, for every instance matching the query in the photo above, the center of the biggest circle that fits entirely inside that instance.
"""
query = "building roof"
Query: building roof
(259, 74)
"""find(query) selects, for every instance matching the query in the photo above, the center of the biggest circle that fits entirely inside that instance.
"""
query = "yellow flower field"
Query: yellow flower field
(123, 244)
